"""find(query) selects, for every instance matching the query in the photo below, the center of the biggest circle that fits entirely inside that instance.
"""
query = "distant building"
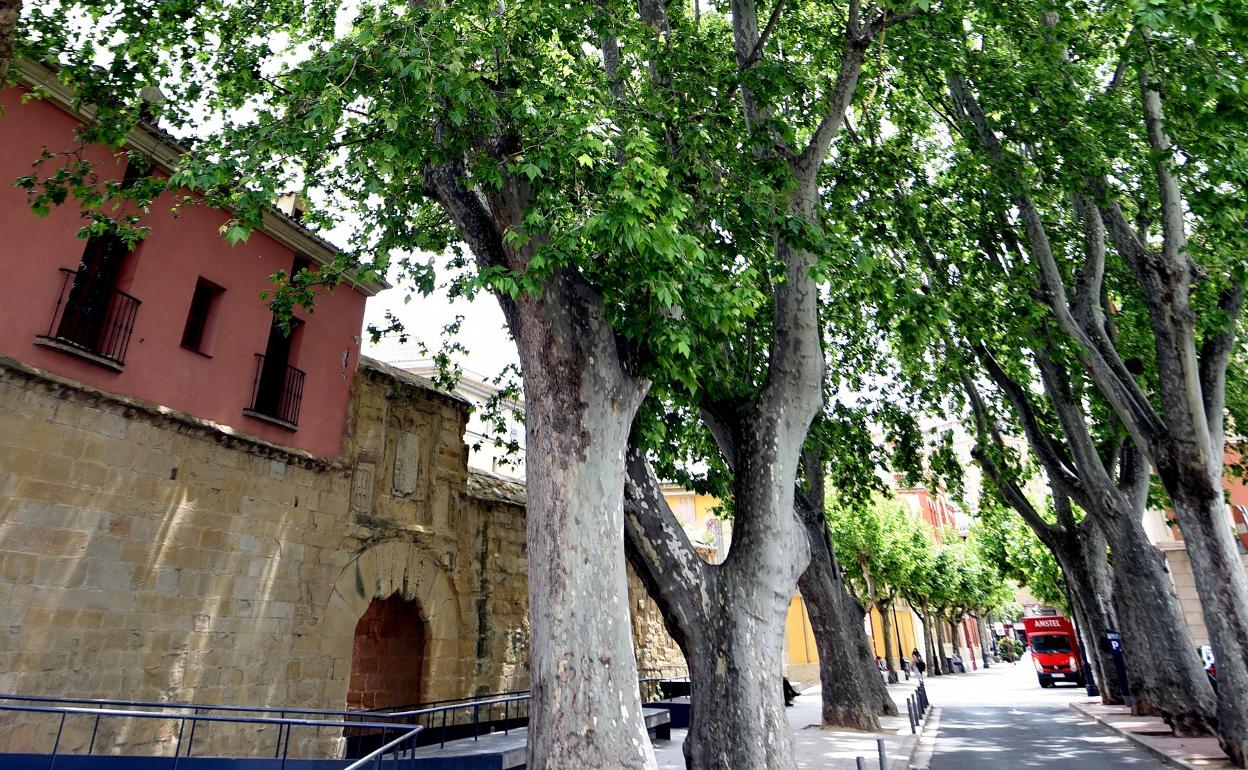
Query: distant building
(484, 451)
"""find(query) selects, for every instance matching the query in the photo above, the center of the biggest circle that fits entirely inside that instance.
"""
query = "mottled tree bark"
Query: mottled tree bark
(579, 407)
(580, 401)
(1163, 680)
(1223, 590)
(10, 11)
(853, 694)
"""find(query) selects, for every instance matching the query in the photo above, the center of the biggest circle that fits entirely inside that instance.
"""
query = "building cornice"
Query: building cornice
(133, 408)
(166, 152)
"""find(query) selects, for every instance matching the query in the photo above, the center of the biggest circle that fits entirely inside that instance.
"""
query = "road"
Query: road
(1001, 718)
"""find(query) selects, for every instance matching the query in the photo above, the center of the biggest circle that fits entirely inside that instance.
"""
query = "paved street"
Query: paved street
(1001, 718)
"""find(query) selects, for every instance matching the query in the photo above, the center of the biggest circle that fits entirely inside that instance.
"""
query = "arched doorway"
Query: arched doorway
(388, 655)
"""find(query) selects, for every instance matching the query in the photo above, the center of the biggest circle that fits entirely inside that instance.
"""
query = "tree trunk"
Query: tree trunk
(10, 10)
(1090, 632)
(579, 408)
(929, 642)
(853, 694)
(886, 628)
(729, 619)
(1223, 590)
(737, 717)
(940, 644)
(984, 642)
(955, 627)
(1085, 566)
(1163, 670)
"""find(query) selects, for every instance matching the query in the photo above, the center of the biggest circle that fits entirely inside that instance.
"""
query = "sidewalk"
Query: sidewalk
(817, 748)
(1155, 737)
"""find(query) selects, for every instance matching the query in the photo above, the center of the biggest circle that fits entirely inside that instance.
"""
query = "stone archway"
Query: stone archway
(403, 571)
(388, 656)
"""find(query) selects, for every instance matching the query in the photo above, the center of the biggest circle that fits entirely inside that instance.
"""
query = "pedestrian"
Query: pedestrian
(883, 667)
(916, 663)
(956, 663)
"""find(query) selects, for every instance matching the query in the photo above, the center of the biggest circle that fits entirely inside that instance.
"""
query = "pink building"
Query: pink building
(178, 320)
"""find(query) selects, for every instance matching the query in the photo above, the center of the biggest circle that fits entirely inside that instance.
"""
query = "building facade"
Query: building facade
(167, 534)
(175, 320)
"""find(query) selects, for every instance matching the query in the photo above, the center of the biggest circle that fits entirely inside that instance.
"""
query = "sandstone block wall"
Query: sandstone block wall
(148, 555)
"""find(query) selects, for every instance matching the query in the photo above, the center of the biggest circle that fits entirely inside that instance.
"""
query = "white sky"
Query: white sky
(484, 332)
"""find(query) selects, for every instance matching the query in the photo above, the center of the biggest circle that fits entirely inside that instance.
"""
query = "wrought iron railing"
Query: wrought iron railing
(277, 391)
(92, 316)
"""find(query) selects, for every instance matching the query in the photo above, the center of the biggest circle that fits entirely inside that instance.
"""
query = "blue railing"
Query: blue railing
(284, 724)
(447, 720)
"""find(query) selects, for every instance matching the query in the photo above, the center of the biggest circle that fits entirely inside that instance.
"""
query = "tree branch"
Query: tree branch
(1215, 355)
(661, 553)
(985, 427)
(1060, 469)
(1070, 414)
(1105, 366)
(447, 184)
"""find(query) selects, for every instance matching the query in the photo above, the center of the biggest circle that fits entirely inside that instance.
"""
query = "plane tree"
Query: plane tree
(1113, 146)
(884, 549)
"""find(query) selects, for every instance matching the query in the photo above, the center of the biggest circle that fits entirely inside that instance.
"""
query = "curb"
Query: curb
(925, 745)
(1139, 741)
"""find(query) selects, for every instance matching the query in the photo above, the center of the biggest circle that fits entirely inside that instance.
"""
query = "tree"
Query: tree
(431, 125)
(1053, 155)
(884, 548)
(982, 314)
(841, 450)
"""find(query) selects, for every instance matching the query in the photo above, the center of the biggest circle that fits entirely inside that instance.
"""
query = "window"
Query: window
(277, 390)
(199, 319)
(1050, 643)
(91, 315)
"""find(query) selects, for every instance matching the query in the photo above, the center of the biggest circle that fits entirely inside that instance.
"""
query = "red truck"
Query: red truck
(1054, 650)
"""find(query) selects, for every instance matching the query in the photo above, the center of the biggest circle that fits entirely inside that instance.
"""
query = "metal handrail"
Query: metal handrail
(100, 325)
(284, 725)
(456, 707)
(376, 755)
(446, 701)
(287, 721)
(200, 706)
(282, 400)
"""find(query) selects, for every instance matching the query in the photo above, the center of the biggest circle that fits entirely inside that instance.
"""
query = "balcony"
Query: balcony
(276, 393)
(91, 320)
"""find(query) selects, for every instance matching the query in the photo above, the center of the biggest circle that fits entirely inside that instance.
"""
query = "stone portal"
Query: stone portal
(388, 655)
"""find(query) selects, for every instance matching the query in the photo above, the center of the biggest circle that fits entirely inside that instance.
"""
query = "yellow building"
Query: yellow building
(697, 514)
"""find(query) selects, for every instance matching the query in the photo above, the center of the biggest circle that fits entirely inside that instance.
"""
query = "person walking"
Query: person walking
(916, 663)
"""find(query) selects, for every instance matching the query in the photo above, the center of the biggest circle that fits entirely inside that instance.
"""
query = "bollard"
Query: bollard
(862, 763)
(879, 745)
(910, 712)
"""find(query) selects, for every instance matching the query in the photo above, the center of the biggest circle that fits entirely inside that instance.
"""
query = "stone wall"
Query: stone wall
(1185, 586)
(149, 555)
